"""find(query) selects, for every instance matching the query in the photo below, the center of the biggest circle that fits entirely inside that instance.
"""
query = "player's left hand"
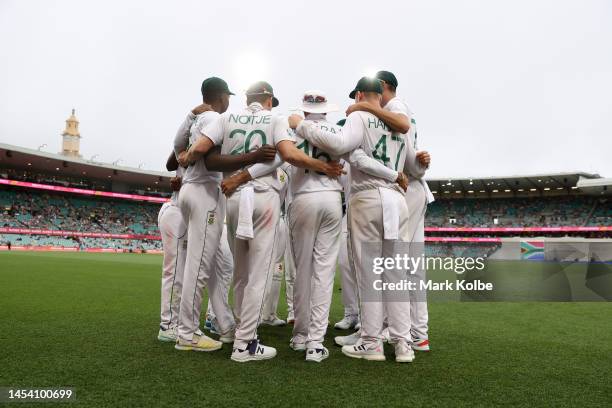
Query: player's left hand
(402, 180)
(333, 169)
(183, 159)
(295, 120)
(424, 158)
(175, 183)
(230, 184)
(359, 106)
(204, 107)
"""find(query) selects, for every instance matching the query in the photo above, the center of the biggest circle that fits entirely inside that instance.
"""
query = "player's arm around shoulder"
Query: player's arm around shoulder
(209, 133)
(292, 155)
(393, 115)
(335, 143)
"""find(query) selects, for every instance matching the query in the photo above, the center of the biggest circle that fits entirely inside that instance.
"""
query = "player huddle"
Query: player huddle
(254, 187)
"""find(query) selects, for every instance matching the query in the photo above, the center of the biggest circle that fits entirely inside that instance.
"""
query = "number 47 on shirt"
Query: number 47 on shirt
(380, 150)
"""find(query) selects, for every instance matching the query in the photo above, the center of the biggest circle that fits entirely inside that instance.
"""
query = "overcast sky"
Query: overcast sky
(497, 87)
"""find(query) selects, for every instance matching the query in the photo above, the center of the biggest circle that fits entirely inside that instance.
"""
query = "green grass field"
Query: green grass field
(90, 321)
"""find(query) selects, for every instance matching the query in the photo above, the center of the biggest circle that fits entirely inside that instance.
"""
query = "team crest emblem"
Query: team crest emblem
(211, 218)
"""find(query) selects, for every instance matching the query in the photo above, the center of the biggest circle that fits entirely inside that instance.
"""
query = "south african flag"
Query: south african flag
(532, 250)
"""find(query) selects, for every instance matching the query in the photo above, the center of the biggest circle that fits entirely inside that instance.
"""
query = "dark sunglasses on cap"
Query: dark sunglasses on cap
(314, 99)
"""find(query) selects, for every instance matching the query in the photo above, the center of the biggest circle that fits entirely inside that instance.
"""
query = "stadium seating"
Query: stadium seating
(457, 250)
(520, 212)
(55, 211)
(35, 209)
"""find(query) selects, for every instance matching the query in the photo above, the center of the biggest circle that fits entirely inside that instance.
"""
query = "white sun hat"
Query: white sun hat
(316, 102)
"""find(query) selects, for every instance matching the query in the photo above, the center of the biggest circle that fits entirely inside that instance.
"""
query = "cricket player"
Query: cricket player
(315, 213)
(347, 275)
(396, 114)
(283, 263)
(254, 209)
(203, 213)
(219, 284)
(348, 284)
(174, 241)
(368, 221)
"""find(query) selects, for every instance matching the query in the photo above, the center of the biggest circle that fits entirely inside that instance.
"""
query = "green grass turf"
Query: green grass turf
(90, 321)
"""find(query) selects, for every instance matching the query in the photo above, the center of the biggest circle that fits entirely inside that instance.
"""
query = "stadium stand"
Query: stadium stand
(35, 209)
(521, 212)
(455, 250)
(52, 200)
(32, 209)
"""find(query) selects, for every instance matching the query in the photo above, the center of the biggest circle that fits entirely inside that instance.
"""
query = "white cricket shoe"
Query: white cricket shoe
(167, 336)
(348, 322)
(317, 354)
(297, 345)
(228, 337)
(198, 343)
(349, 340)
(420, 344)
(275, 322)
(253, 352)
(372, 351)
(403, 352)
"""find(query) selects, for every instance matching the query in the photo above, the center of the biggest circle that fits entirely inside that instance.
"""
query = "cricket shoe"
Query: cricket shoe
(317, 354)
(372, 351)
(349, 340)
(297, 345)
(198, 343)
(275, 322)
(348, 322)
(207, 324)
(214, 328)
(420, 344)
(228, 337)
(253, 352)
(167, 336)
(403, 352)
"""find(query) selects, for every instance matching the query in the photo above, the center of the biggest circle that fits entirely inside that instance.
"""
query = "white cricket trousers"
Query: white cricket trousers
(203, 212)
(289, 269)
(315, 224)
(220, 281)
(283, 259)
(416, 199)
(174, 240)
(347, 275)
(253, 260)
(365, 221)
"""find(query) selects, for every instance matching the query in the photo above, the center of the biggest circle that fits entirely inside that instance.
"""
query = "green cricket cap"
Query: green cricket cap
(367, 84)
(262, 88)
(388, 77)
(214, 85)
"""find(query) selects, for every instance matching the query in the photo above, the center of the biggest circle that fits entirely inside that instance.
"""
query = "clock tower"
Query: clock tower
(71, 138)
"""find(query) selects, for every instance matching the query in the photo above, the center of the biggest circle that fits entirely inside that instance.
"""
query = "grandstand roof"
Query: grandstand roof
(119, 178)
(536, 184)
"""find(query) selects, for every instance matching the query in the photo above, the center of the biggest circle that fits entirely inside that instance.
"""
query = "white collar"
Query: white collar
(255, 107)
